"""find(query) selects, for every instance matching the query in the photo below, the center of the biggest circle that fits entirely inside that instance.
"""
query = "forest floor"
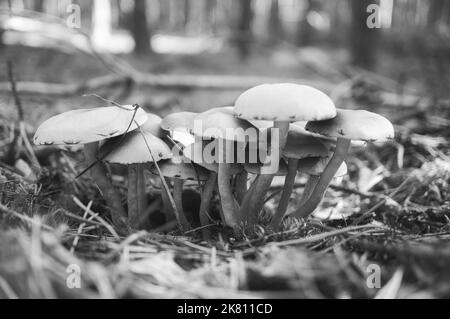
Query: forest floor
(390, 216)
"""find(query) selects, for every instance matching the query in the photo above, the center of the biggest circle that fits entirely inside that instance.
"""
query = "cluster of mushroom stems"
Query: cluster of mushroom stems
(234, 152)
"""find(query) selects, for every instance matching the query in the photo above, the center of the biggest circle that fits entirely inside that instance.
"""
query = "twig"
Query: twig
(322, 236)
(101, 220)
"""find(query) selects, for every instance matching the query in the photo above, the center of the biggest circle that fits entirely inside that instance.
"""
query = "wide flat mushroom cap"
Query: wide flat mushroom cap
(222, 123)
(316, 166)
(88, 125)
(203, 154)
(355, 125)
(132, 149)
(256, 168)
(181, 169)
(301, 144)
(182, 122)
(284, 102)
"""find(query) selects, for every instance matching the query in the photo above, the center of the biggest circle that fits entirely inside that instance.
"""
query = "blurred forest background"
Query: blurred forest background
(300, 39)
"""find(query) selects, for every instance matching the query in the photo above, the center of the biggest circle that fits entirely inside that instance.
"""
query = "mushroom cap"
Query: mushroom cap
(88, 125)
(132, 149)
(153, 124)
(221, 123)
(284, 102)
(354, 125)
(301, 144)
(255, 168)
(181, 122)
(199, 154)
(316, 166)
(180, 167)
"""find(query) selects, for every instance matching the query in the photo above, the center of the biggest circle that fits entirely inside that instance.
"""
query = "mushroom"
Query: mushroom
(87, 127)
(203, 153)
(314, 167)
(348, 125)
(221, 124)
(300, 144)
(179, 126)
(131, 150)
(283, 104)
(178, 169)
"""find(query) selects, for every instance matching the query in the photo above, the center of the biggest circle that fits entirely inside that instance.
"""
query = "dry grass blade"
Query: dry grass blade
(96, 216)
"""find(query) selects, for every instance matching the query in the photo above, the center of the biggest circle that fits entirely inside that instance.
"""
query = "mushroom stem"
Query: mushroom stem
(227, 200)
(309, 188)
(137, 199)
(207, 194)
(226, 196)
(265, 180)
(287, 191)
(339, 156)
(241, 186)
(112, 198)
(262, 184)
(178, 199)
(167, 205)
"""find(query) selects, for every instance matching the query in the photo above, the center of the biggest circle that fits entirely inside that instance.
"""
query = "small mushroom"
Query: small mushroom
(300, 144)
(179, 170)
(132, 150)
(283, 104)
(87, 127)
(347, 126)
(229, 131)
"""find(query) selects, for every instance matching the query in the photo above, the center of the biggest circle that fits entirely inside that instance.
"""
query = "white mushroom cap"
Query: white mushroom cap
(204, 153)
(132, 148)
(284, 102)
(153, 124)
(174, 168)
(179, 122)
(88, 125)
(301, 144)
(221, 123)
(355, 125)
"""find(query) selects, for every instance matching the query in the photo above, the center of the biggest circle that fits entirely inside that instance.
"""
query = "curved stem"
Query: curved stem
(167, 205)
(226, 196)
(287, 192)
(109, 193)
(257, 198)
(207, 194)
(178, 199)
(241, 186)
(309, 188)
(339, 156)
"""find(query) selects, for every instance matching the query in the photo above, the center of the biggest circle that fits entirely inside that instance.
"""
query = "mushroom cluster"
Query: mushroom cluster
(234, 152)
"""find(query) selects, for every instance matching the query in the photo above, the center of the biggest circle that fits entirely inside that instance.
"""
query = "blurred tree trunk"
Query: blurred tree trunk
(305, 32)
(363, 40)
(187, 13)
(275, 27)
(140, 27)
(244, 34)
(435, 12)
(38, 5)
(210, 19)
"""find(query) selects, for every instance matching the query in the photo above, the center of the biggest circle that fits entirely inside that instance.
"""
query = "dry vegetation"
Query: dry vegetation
(393, 210)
